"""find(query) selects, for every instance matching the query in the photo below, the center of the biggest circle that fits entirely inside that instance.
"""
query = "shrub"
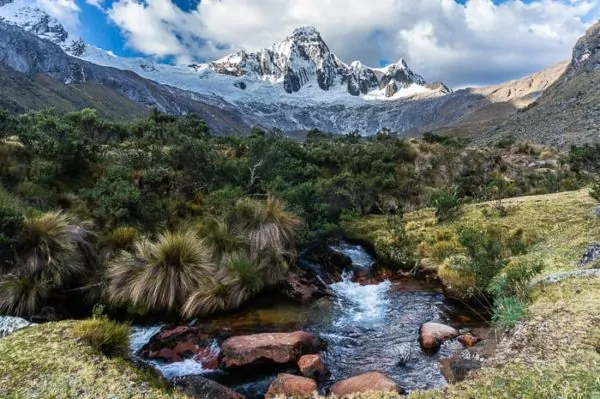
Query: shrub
(515, 279)
(54, 246)
(446, 204)
(212, 297)
(484, 252)
(22, 296)
(508, 312)
(160, 275)
(105, 336)
(11, 217)
(268, 228)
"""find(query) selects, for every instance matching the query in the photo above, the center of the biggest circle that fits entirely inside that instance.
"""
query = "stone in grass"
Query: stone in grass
(199, 387)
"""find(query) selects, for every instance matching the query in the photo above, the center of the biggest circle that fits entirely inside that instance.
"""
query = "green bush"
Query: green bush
(446, 203)
(11, 218)
(515, 279)
(508, 312)
(105, 336)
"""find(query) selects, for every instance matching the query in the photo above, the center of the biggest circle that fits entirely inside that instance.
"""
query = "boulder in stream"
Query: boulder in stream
(299, 287)
(331, 262)
(312, 366)
(469, 339)
(288, 386)
(269, 349)
(199, 387)
(175, 344)
(367, 382)
(433, 335)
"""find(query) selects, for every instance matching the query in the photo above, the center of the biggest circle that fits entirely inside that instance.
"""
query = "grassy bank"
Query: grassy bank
(552, 353)
(47, 361)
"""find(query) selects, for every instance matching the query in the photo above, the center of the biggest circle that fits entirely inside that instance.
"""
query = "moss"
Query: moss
(47, 361)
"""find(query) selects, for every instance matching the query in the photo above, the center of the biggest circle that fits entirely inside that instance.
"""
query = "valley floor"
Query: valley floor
(553, 353)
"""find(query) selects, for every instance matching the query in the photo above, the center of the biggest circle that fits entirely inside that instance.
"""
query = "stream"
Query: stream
(367, 328)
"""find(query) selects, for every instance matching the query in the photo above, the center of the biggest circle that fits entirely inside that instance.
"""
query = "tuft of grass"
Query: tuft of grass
(106, 336)
(161, 275)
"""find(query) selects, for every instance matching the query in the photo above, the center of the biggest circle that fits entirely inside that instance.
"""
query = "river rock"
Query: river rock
(372, 381)
(199, 387)
(175, 344)
(456, 368)
(299, 287)
(312, 366)
(433, 335)
(287, 386)
(10, 324)
(268, 349)
(469, 339)
(332, 262)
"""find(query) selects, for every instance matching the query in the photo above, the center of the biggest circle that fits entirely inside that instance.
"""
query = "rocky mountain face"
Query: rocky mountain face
(295, 85)
(29, 55)
(304, 57)
(568, 112)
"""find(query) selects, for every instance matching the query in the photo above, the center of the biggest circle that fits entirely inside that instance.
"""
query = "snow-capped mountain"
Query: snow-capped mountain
(295, 85)
(300, 69)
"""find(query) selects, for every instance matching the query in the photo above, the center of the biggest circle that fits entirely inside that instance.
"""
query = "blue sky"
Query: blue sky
(457, 41)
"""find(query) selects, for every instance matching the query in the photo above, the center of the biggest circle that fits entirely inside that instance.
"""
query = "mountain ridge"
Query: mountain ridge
(244, 90)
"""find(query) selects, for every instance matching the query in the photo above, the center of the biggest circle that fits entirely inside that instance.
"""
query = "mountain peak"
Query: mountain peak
(306, 32)
(586, 53)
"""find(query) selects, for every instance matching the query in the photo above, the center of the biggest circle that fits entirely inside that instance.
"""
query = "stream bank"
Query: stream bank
(368, 326)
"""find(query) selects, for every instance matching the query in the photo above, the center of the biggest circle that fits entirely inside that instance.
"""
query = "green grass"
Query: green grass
(551, 353)
(48, 361)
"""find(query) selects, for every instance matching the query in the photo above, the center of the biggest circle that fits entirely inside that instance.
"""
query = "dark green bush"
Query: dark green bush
(446, 203)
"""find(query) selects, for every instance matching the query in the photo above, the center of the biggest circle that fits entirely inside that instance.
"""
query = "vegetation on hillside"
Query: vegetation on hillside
(157, 215)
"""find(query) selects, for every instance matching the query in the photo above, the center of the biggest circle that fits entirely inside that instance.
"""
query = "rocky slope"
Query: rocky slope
(296, 85)
(31, 56)
(568, 112)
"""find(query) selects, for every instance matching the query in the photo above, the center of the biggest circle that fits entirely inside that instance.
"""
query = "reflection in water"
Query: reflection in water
(368, 328)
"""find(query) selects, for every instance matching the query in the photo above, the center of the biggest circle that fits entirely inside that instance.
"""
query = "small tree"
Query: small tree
(446, 203)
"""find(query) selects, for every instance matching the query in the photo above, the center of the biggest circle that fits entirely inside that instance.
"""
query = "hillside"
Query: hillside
(553, 352)
(567, 112)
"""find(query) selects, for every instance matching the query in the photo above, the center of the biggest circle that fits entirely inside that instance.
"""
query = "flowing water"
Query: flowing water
(367, 328)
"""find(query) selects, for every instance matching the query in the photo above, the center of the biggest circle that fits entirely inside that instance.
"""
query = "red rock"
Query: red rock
(287, 385)
(269, 348)
(180, 343)
(312, 366)
(469, 340)
(433, 335)
(367, 382)
(299, 287)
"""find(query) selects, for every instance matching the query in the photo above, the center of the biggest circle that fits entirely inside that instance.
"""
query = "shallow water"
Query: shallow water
(368, 328)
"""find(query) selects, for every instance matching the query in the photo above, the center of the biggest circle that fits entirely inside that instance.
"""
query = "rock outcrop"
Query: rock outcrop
(290, 386)
(10, 324)
(368, 382)
(269, 349)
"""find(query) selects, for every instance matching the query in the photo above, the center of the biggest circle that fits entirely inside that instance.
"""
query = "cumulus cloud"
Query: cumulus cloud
(475, 43)
(65, 11)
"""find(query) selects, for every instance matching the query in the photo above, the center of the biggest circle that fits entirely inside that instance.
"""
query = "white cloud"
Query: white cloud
(65, 11)
(479, 42)
(96, 3)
